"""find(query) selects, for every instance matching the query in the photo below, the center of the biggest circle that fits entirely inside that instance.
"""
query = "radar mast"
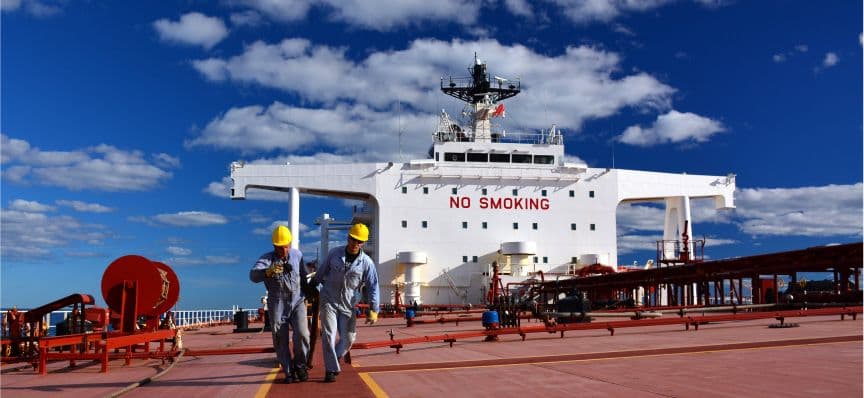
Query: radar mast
(483, 96)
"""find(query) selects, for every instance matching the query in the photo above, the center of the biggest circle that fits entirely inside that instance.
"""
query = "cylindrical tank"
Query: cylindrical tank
(518, 256)
(490, 319)
(411, 260)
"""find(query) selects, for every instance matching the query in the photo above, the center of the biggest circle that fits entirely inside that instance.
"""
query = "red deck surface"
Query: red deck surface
(822, 357)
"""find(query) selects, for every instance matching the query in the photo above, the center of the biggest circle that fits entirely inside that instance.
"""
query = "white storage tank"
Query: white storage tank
(410, 261)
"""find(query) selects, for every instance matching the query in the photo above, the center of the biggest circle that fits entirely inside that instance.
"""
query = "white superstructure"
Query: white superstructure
(437, 224)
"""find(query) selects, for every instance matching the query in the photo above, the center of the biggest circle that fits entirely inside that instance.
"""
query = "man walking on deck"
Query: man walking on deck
(344, 274)
(284, 275)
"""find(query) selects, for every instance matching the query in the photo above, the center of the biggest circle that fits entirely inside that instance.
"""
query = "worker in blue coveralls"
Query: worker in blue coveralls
(284, 275)
(344, 274)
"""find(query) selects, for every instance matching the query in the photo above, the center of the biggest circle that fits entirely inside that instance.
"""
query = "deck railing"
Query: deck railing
(182, 318)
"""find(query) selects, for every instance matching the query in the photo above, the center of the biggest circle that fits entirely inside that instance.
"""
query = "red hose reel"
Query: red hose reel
(134, 287)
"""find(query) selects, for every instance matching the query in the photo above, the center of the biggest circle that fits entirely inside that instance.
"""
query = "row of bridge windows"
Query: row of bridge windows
(485, 225)
(485, 191)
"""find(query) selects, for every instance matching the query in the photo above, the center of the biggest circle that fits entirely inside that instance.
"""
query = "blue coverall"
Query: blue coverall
(339, 295)
(285, 302)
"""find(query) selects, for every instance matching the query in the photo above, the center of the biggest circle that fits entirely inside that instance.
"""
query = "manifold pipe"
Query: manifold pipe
(651, 314)
(716, 309)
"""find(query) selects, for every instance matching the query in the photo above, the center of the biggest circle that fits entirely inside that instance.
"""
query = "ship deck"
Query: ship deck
(820, 357)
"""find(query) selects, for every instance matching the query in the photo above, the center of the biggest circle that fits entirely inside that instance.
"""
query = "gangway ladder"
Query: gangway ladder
(452, 284)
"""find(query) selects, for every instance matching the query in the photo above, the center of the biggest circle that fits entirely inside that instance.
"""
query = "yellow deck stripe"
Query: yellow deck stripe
(268, 382)
(376, 389)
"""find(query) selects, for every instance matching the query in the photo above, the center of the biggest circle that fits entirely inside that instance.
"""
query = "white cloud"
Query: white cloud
(27, 233)
(192, 29)
(373, 15)
(206, 260)
(269, 229)
(386, 15)
(281, 10)
(361, 97)
(247, 18)
(519, 7)
(84, 207)
(30, 206)
(289, 128)
(574, 159)
(831, 210)
(178, 251)
(36, 8)
(12, 149)
(10, 5)
(640, 217)
(673, 127)
(102, 168)
(633, 243)
(779, 58)
(802, 48)
(166, 161)
(585, 11)
(189, 219)
(830, 60)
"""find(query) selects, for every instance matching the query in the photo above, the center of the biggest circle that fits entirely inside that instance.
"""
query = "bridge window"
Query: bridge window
(404, 223)
(454, 157)
(520, 158)
(535, 260)
(499, 157)
(590, 194)
(573, 226)
(544, 159)
(473, 259)
(572, 193)
(534, 226)
(454, 190)
(464, 259)
(478, 157)
(424, 224)
(484, 191)
(543, 193)
(515, 225)
(426, 190)
(464, 224)
(593, 227)
(545, 260)
(484, 225)
(404, 189)
(515, 192)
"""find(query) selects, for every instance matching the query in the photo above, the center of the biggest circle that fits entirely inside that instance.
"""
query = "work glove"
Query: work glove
(372, 318)
(275, 268)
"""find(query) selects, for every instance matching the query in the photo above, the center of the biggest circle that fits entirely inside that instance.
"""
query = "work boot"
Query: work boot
(302, 374)
(347, 357)
(330, 377)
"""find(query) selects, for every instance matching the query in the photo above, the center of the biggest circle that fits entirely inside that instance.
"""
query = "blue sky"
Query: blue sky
(119, 120)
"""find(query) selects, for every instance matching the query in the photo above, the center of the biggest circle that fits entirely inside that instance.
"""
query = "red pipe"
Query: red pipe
(611, 326)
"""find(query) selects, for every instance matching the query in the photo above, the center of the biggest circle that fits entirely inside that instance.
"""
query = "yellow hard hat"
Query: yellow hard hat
(281, 236)
(359, 231)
